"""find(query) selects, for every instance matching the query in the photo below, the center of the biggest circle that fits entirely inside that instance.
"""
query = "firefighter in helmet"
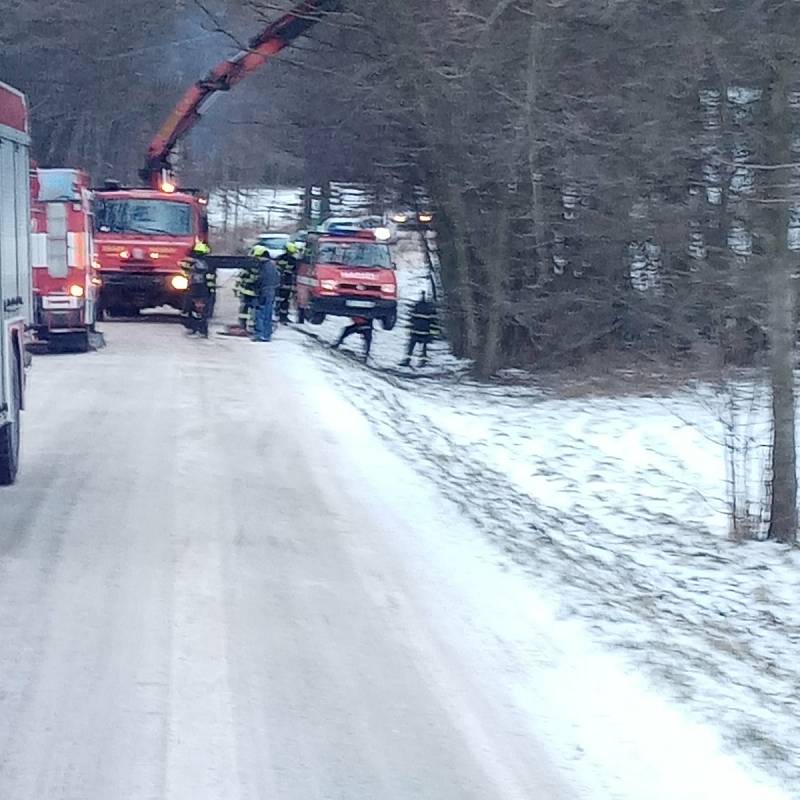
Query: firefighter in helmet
(201, 292)
(287, 265)
(247, 289)
(424, 328)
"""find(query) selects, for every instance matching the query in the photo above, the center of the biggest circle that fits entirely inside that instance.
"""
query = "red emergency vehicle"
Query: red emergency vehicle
(347, 274)
(141, 237)
(15, 272)
(64, 280)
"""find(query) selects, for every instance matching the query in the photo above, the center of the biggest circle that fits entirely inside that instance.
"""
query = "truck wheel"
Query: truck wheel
(9, 433)
(301, 315)
(389, 322)
(317, 318)
(83, 342)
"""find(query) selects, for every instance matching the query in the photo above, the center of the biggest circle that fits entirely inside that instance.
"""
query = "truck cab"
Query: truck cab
(347, 273)
(142, 237)
(65, 283)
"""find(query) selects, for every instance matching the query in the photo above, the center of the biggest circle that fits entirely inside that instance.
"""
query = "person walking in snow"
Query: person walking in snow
(361, 326)
(424, 327)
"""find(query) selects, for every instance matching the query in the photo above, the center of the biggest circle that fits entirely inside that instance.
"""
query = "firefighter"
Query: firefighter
(201, 292)
(265, 286)
(199, 250)
(361, 326)
(424, 327)
(287, 265)
(246, 289)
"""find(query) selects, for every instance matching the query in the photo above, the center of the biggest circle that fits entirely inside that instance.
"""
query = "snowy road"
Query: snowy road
(205, 592)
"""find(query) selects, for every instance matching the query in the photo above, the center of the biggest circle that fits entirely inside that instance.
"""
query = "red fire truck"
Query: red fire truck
(64, 280)
(142, 236)
(347, 274)
(15, 272)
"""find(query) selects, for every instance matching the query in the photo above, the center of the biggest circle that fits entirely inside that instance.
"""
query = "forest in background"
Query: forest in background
(610, 178)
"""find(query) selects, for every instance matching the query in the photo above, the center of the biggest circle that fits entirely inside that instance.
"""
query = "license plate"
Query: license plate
(360, 304)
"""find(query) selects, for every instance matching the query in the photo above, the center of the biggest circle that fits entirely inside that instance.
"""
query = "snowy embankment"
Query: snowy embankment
(616, 507)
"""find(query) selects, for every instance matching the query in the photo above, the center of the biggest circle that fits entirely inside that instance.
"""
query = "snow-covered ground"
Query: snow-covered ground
(279, 207)
(616, 507)
(233, 570)
(271, 208)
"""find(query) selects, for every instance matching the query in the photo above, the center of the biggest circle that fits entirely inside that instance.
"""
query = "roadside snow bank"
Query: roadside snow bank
(521, 638)
(617, 508)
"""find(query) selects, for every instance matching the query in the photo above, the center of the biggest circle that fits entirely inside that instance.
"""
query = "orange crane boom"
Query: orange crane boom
(274, 38)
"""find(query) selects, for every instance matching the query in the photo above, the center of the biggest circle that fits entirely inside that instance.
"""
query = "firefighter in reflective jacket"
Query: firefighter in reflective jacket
(424, 327)
(247, 289)
(201, 292)
(287, 265)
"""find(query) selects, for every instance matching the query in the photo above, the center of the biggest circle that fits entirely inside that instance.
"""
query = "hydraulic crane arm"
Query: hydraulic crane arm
(274, 38)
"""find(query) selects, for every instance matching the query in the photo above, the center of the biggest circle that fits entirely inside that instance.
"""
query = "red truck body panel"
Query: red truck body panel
(15, 272)
(64, 279)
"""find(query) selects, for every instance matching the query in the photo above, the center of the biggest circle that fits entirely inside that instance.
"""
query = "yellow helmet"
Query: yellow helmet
(292, 248)
(201, 249)
(259, 251)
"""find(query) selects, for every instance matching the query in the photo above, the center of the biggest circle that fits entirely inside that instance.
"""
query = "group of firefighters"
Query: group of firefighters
(265, 287)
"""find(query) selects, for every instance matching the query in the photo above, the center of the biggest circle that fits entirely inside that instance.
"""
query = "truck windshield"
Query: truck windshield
(274, 242)
(368, 255)
(143, 216)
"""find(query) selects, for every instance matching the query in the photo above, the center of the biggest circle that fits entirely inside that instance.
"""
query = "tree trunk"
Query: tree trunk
(783, 516)
(495, 266)
(534, 166)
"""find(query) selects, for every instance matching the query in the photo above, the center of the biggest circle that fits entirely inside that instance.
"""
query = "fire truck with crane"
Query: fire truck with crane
(144, 234)
(15, 272)
(65, 283)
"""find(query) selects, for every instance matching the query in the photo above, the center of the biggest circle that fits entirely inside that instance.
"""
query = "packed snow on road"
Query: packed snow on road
(241, 570)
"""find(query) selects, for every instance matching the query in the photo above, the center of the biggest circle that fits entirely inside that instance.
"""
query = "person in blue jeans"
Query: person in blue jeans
(269, 279)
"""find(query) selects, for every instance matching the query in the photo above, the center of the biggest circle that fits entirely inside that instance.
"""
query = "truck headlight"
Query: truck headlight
(180, 282)
(328, 285)
(76, 291)
(387, 288)
(382, 234)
